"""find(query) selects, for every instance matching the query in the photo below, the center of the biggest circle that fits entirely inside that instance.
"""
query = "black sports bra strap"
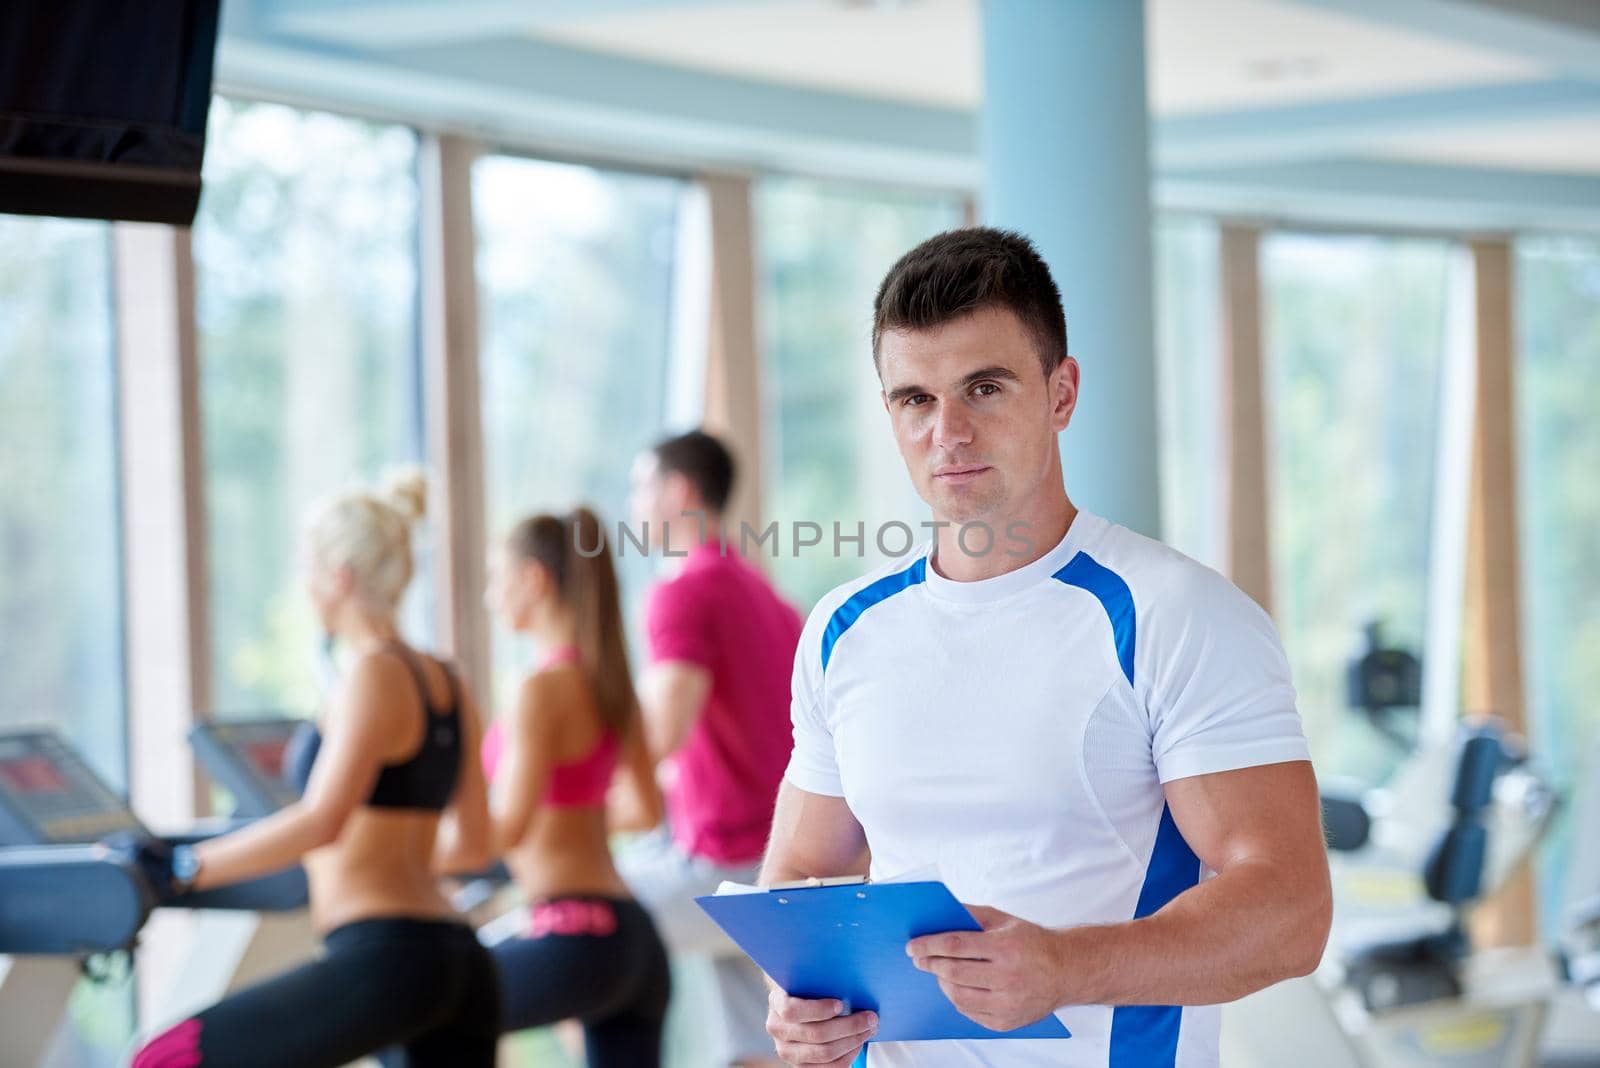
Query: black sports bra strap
(454, 682)
(416, 673)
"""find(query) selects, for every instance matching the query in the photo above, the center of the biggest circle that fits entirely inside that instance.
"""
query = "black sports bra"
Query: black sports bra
(428, 778)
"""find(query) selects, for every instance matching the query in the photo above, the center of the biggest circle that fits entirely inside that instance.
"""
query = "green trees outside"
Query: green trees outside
(306, 265)
(1355, 330)
(1188, 341)
(822, 250)
(1558, 409)
(60, 546)
(576, 312)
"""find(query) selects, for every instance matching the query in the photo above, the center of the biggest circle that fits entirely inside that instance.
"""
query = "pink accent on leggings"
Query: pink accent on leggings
(176, 1047)
(571, 916)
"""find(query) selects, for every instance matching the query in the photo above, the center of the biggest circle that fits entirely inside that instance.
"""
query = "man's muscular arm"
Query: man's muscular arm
(813, 835)
(1263, 918)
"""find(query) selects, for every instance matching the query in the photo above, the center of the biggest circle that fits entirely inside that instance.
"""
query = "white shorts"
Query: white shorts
(666, 880)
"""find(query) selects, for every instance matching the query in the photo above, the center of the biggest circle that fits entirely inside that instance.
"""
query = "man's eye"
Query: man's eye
(917, 399)
(987, 389)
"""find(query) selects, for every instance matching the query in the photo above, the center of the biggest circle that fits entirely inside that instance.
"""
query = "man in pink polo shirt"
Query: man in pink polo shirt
(716, 712)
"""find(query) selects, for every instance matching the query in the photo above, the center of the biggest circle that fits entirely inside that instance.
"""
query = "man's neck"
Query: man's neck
(688, 534)
(1018, 541)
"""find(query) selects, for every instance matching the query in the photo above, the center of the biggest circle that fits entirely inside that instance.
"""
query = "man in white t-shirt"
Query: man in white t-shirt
(1090, 737)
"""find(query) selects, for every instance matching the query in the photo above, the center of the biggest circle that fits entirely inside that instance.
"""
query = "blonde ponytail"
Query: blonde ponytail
(369, 532)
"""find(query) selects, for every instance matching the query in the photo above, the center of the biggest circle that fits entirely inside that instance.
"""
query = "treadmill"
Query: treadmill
(64, 898)
(250, 759)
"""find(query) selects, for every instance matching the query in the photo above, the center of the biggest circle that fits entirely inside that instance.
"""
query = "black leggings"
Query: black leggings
(597, 960)
(425, 985)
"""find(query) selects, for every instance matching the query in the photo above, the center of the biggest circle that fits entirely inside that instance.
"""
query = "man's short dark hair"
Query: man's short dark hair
(963, 271)
(703, 460)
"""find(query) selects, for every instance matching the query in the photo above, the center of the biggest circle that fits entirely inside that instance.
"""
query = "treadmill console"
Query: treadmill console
(49, 796)
(246, 757)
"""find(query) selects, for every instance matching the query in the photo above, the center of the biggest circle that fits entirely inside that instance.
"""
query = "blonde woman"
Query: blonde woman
(589, 952)
(393, 795)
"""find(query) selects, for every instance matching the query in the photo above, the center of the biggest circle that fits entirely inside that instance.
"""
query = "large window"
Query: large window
(306, 256)
(575, 280)
(1356, 335)
(824, 248)
(1558, 395)
(1188, 297)
(60, 552)
(60, 573)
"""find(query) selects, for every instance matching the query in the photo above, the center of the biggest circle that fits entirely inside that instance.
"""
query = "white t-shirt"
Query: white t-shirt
(1014, 733)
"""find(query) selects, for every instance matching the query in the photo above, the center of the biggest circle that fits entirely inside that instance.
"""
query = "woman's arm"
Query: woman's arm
(464, 844)
(634, 801)
(363, 724)
(531, 739)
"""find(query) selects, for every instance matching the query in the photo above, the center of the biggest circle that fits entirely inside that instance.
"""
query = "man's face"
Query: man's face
(658, 497)
(644, 499)
(974, 416)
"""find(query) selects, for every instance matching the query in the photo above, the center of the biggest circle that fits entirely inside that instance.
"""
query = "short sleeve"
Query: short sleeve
(677, 626)
(813, 765)
(1215, 681)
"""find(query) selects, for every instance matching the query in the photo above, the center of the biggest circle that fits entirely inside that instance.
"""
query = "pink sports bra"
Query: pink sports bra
(577, 783)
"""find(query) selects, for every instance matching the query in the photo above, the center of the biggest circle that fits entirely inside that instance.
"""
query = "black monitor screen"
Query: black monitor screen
(103, 107)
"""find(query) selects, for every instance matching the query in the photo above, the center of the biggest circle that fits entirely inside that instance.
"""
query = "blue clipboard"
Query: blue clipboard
(849, 942)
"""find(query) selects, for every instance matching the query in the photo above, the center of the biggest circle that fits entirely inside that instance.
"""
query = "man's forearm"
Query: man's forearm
(1232, 935)
(783, 870)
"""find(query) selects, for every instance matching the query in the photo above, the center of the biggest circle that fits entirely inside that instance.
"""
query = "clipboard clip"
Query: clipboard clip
(815, 882)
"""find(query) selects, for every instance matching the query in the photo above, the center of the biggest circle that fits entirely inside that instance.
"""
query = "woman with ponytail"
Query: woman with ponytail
(589, 951)
(392, 795)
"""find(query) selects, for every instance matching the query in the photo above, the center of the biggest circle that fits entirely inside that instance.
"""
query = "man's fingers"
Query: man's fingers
(966, 944)
(827, 1043)
(968, 1000)
(972, 974)
(830, 1053)
(803, 1010)
(854, 1027)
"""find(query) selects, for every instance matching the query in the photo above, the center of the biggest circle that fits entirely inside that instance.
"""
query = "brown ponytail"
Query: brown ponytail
(575, 551)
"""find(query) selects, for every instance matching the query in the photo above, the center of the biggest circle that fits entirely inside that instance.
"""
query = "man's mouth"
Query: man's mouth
(959, 472)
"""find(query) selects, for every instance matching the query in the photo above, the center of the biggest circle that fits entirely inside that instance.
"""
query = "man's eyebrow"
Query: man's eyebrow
(991, 372)
(900, 393)
(996, 371)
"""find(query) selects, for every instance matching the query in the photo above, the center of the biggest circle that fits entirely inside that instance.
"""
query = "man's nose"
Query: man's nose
(952, 425)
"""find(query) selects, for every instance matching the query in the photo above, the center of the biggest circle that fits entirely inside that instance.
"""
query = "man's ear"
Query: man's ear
(680, 494)
(1063, 393)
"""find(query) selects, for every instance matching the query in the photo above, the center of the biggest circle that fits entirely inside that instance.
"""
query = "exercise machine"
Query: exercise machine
(1401, 986)
(64, 898)
(230, 948)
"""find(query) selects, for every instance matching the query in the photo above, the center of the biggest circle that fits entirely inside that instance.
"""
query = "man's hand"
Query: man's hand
(814, 1032)
(1005, 976)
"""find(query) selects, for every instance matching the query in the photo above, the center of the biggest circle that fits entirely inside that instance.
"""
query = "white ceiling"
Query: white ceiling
(1206, 54)
(1209, 59)
(1570, 146)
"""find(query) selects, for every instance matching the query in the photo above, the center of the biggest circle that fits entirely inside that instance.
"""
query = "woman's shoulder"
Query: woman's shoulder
(554, 690)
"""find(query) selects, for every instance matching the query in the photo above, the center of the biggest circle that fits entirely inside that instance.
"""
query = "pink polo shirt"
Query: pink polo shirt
(720, 613)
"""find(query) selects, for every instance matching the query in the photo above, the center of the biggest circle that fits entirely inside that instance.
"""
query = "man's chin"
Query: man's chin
(961, 509)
